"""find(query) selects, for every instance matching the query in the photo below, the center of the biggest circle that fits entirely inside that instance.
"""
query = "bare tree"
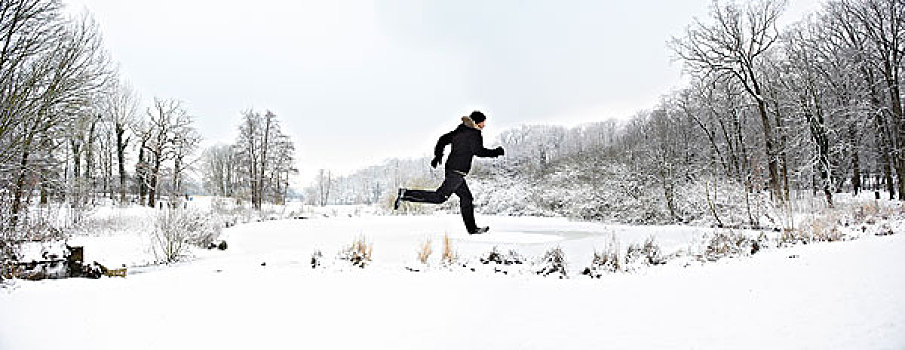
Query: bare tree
(733, 47)
(168, 123)
(267, 156)
(882, 27)
(50, 68)
(324, 185)
(143, 131)
(121, 111)
(186, 143)
(249, 147)
(220, 170)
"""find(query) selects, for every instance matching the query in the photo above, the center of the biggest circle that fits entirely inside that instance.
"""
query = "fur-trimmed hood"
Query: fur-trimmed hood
(467, 121)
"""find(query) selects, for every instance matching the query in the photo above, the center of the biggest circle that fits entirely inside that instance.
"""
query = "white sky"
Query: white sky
(356, 82)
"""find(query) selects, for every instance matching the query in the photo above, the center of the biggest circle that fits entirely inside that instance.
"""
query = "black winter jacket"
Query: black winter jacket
(467, 143)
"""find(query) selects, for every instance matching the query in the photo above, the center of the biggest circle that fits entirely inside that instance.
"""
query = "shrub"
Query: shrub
(176, 230)
(38, 227)
(606, 261)
(425, 252)
(822, 228)
(169, 240)
(791, 237)
(8, 254)
(647, 254)
(553, 263)
(359, 253)
(495, 257)
(825, 229)
(729, 244)
(870, 212)
(884, 230)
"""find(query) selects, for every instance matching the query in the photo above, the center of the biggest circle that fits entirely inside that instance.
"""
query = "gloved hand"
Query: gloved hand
(499, 150)
(436, 161)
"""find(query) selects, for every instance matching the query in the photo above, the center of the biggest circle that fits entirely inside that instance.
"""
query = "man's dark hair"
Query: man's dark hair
(477, 117)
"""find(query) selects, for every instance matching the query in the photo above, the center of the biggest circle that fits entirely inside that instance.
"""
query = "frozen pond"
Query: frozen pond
(397, 239)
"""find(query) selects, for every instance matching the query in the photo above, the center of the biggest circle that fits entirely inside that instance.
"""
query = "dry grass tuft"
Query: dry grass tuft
(449, 256)
(823, 228)
(425, 252)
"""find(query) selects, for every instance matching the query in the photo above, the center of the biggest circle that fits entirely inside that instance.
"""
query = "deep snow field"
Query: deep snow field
(262, 293)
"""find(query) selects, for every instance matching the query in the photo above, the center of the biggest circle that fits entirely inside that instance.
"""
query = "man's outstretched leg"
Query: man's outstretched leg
(450, 184)
(466, 206)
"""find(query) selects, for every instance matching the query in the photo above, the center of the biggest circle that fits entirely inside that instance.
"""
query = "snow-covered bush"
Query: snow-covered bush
(648, 254)
(607, 190)
(7, 257)
(35, 226)
(112, 221)
(498, 258)
(177, 230)
(553, 263)
(509, 195)
(872, 212)
(729, 244)
(603, 262)
(827, 226)
(792, 237)
(358, 253)
(231, 211)
(502, 262)
(825, 229)
(606, 261)
(42, 260)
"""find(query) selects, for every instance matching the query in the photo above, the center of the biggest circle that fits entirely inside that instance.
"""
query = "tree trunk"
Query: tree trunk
(892, 83)
(884, 137)
(142, 175)
(772, 155)
(856, 160)
(44, 192)
(20, 187)
(152, 189)
(89, 163)
(769, 138)
(783, 159)
(260, 199)
(121, 158)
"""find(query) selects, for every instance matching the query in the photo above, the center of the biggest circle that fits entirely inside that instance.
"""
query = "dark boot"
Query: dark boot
(479, 230)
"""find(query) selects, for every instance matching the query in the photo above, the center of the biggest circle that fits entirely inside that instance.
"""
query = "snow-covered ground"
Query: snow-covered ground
(263, 293)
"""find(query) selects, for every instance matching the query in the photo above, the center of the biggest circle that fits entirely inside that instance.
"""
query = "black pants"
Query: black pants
(453, 183)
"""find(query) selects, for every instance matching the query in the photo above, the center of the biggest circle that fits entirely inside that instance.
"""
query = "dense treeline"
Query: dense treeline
(770, 117)
(815, 107)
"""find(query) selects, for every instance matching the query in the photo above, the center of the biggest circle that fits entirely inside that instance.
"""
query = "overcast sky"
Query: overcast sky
(356, 82)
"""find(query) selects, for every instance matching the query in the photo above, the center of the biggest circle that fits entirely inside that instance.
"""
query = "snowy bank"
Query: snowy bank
(843, 295)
